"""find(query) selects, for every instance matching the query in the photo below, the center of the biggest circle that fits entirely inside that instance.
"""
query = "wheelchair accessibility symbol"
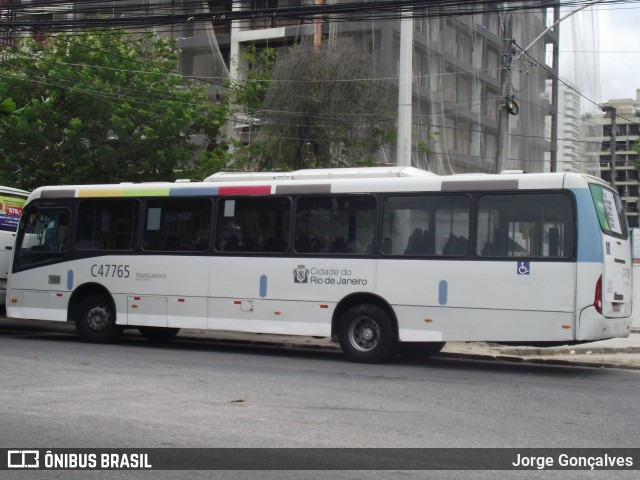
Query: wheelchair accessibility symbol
(524, 268)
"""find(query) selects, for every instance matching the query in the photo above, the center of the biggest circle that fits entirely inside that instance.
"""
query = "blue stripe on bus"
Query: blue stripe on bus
(70, 280)
(192, 191)
(589, 231)
(263, 286)
(443, 288)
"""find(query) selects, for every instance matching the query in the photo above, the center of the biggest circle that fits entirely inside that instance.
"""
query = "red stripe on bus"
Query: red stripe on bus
(249, 190)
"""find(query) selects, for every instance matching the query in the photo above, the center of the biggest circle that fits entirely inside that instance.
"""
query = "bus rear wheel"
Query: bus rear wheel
(158, 334)
(96, 319)
(367, 334)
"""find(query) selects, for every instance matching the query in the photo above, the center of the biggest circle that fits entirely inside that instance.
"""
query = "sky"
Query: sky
(619, 28)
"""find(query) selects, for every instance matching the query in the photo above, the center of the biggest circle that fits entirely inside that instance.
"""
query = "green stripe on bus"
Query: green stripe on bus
(147, 192)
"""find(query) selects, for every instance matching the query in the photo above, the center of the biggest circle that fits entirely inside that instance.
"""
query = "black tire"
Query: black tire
(367, 334)
(158, 334)
(96, 319)
(419, 350)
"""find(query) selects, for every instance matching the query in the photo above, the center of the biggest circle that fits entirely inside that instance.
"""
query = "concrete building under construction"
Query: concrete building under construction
(480, 101)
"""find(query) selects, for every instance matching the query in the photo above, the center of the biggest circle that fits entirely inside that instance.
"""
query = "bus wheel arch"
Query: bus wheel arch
(366, 327)
(93, 310)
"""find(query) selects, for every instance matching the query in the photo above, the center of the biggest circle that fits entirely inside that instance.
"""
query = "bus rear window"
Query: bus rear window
(610, 211)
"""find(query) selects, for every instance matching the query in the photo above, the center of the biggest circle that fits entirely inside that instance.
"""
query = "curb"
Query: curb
(507, 356)
(541, 360)
(569, 350)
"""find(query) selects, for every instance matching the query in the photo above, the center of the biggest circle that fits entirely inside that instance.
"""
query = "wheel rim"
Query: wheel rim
(364, 334)
(98, 318)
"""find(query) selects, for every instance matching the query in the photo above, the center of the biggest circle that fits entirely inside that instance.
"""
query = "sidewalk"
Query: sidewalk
(613, 353)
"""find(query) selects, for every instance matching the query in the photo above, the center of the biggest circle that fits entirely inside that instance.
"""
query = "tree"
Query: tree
(102, 107)
(328, 107)
(8, 107)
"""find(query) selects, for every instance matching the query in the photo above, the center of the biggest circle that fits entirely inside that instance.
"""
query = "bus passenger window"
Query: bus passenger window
(107, 225)
(177, 225)
(426, 225)
(253, 225)
(525, 225)
(335, 224)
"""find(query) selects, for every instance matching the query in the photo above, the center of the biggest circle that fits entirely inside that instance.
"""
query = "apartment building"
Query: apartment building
(617, 158)
(578, 134)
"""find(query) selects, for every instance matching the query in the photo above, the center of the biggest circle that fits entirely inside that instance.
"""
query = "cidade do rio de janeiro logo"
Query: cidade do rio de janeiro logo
(301, 274)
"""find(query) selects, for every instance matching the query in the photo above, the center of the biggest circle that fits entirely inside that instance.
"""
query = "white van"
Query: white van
(12, 201)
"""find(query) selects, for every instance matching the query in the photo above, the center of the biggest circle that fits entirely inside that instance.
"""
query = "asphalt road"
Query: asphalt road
(60, 392)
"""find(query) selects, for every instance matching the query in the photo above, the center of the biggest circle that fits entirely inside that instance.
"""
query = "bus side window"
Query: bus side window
(336, 224)
(425, 225)
(525, 225)
(253, 225)
(106, 225)
(177, 225)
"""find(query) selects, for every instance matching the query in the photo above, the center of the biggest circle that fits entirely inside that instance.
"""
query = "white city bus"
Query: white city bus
(12, 201)
(383, 259)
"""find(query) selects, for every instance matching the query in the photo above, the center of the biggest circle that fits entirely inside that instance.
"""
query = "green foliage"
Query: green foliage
(101, 107)
(251, 92)
(424, 146)
(7, 107)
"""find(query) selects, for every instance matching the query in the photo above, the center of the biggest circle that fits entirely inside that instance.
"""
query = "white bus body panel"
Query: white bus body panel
(293, 295)
(445, 300)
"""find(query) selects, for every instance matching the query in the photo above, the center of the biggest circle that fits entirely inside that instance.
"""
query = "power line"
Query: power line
(160, 13)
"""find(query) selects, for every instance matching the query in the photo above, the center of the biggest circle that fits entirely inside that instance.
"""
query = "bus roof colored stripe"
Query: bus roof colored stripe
(308, 184)
(245, 190)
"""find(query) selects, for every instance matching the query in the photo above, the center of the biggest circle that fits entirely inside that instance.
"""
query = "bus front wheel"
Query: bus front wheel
(96, 319)
(367, 334)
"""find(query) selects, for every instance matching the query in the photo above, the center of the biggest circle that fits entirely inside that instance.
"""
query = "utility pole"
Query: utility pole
(405, 86)
(612, 111)
(555, 94)
(502, 152)
(317, 32)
